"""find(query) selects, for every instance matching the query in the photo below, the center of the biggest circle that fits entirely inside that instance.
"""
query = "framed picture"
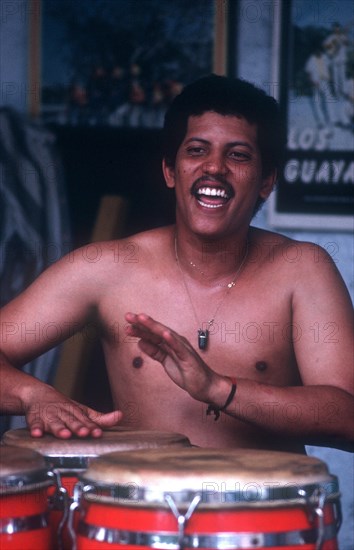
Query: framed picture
(121, 62)
(314, 75)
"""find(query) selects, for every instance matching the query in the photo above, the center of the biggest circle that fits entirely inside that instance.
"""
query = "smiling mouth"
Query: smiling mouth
(212, 196)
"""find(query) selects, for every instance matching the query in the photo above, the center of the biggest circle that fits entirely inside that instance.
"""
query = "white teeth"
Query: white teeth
(212, 192)
(210, 205)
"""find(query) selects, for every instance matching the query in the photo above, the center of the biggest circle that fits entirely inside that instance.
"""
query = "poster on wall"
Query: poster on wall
(314, 72)
(120, 63)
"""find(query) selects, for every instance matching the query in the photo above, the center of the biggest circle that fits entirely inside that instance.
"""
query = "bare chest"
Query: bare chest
(250, 337)
(249, 332)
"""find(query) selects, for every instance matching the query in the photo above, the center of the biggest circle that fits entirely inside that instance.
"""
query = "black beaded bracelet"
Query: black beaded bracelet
(217, 410)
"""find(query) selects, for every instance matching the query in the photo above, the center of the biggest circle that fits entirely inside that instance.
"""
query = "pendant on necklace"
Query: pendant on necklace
(203, 336)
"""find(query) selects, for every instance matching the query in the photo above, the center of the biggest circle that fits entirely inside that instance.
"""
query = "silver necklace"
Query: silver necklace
(203, 335)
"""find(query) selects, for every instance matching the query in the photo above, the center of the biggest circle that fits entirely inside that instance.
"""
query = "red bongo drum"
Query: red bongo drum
(24, 512)
(67, 458)
(209, 499)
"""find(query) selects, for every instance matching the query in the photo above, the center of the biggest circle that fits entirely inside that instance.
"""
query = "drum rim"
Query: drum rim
(147, 496)
(13, 525)
(25, 481)
(225, 540)
(69, 462)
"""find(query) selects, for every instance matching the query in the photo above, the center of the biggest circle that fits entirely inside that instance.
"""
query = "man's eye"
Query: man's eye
(194, 151)
(239, 155)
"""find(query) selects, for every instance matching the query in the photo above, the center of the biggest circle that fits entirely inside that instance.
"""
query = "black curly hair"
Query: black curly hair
(227, 96)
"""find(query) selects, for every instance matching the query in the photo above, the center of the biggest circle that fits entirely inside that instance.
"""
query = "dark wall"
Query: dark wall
(105, 160)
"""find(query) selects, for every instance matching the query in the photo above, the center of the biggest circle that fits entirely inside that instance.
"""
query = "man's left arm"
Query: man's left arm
(321, 411)
(323, 312)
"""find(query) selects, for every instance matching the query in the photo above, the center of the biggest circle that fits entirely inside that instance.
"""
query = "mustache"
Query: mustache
(215, 179)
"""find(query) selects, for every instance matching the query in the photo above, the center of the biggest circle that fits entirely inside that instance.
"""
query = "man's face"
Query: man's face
(218, 175)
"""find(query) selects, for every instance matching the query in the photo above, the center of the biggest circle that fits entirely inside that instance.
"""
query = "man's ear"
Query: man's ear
(268, 184)
(169, 174)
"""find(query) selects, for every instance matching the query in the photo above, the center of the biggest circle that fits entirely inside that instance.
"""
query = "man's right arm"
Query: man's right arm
(57, 304)
(47, 410)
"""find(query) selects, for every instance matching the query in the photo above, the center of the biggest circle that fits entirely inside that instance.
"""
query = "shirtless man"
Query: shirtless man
(212, 314)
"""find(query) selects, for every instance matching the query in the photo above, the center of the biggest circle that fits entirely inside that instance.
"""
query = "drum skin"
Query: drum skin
(250, 499)
(80, 450)
(69, 457)
(24, 512)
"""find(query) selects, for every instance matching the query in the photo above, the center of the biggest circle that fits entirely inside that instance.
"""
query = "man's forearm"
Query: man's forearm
(14, 385)
(310, 413)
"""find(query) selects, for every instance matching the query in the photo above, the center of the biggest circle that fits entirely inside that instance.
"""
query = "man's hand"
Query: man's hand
(63, 417)
(180, 360)
(46, 409)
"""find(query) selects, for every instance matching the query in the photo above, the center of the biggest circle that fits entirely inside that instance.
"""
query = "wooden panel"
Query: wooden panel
(77, 352)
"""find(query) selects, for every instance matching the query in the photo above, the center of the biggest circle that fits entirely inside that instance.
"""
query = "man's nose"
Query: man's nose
(214, 166)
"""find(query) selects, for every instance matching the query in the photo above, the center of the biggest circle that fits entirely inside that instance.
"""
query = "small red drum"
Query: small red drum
(209, 499)
(67, 458)
(24, 511)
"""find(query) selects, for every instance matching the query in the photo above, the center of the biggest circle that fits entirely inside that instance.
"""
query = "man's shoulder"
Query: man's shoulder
(287, 249)
(134, 249)
(270, 239)
(158, 236)
(150, 242)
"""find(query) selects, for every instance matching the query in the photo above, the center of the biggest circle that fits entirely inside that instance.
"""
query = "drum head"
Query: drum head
(76, 452)
(249, 475)
(21, 469)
